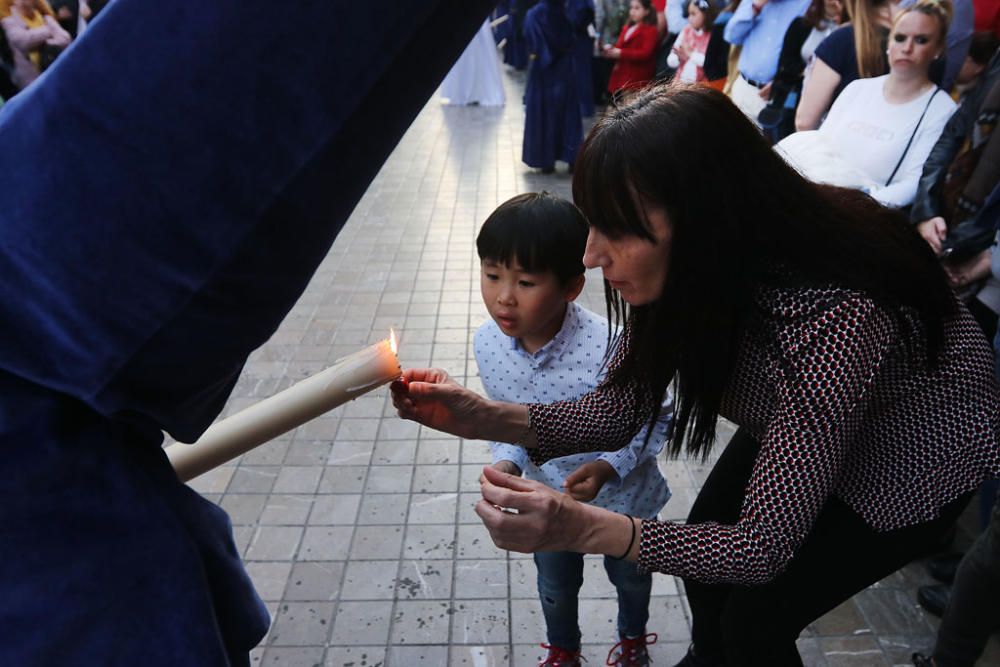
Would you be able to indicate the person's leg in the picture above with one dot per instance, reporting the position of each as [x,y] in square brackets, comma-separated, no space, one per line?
[560,575]
[973,611]
[633,589]
[720,499]
[759,624]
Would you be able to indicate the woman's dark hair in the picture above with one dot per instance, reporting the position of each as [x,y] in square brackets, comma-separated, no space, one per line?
[650,12]
[539,231]
[740,217]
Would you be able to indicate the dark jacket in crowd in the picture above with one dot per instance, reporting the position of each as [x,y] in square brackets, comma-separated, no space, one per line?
[928,203]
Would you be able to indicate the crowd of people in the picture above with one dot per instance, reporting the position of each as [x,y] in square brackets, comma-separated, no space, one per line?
[785,63]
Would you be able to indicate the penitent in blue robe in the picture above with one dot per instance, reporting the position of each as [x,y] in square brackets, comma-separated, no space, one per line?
[515,51]
[170,185]
[581,14]
[553,127]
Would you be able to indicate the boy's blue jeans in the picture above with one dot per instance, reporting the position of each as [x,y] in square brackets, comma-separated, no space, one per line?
[560,575]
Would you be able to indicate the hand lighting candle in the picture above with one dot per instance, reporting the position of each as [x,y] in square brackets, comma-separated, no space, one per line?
[348,378]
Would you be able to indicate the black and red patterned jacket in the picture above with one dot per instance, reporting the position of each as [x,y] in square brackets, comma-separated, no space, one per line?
[843,404]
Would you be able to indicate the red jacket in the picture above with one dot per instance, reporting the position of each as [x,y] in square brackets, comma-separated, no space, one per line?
[637,65]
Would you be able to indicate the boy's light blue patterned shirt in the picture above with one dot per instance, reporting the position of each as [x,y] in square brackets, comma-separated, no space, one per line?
[567,367]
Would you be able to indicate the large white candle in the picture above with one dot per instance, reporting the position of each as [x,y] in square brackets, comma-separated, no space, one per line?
[348,378]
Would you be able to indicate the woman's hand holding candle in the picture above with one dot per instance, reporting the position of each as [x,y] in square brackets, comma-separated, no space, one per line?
[431,397]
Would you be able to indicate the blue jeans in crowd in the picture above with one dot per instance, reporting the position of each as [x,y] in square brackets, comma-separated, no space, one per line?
[560,575]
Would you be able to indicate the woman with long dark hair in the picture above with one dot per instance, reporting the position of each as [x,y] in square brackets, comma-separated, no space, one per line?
[809,315]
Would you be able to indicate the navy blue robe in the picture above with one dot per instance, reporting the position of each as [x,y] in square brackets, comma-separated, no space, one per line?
[515,51]
[170,186]
[581,15]
[553,127]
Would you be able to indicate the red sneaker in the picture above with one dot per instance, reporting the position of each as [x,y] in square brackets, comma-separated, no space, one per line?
[631,652]
[560,657]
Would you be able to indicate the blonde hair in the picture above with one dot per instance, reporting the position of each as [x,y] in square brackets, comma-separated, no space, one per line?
[869,49]
[936,9]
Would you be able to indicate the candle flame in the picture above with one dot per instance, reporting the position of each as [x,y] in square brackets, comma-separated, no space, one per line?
[393,345]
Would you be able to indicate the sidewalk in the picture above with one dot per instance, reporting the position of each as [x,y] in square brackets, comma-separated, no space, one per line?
[358,527]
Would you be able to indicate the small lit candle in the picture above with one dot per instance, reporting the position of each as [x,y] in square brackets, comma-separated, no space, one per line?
[348,378]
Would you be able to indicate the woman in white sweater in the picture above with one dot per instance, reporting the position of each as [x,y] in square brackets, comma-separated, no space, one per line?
[880,130]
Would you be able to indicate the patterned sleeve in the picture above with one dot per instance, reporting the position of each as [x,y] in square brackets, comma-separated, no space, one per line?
[829,372]
[604,420]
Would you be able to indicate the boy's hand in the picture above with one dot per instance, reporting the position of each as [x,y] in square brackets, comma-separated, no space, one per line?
[585,482]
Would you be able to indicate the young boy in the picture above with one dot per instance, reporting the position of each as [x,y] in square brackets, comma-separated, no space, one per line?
[541,347]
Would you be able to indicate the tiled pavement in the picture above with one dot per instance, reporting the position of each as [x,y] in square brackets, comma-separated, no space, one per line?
[358,527]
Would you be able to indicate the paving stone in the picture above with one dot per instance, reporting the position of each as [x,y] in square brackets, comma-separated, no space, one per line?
[480,622]
[426,542]
[480,656]
[314,581]
[481,579]
[407,656]
[432,508]
[286,509]
[435,478]
[334,509]
[425,579]
[243,508]
[270,578]
[362,623]
[376,542]
[355,656]
[370,580]
[305,656]
[342,479]
[421,622]
[383,508]
[389,479]
[325,543]
[274,543]
[301,624]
